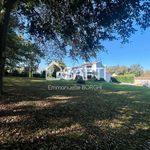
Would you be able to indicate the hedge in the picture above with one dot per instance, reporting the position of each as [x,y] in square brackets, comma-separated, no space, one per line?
[123,78]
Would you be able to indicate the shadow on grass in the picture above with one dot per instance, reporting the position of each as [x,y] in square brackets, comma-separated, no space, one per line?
[74,119]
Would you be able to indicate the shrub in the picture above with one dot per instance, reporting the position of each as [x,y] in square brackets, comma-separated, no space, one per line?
[102,79]
[78,77]
[15,73]
[6,73]
[123,78]
[24,74]
[113,79]
[94,78]
[80,80]
[43,74]
[37,75]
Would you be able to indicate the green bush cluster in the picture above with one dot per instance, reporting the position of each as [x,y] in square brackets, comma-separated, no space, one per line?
[102,79]
[123,78]
[80,80]
[16,73]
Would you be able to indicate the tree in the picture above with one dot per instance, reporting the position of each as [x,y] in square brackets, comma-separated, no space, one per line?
[136,69]
[80,24]
[147,72]
[21,53]
[14,44]
[119,70]
[14,52]
[43,74]
[5,10]
[32,55]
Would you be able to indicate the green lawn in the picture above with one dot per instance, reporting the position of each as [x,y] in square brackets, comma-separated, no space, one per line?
[114,117]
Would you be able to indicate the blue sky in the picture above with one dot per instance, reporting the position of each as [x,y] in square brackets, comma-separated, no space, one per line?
[137,51]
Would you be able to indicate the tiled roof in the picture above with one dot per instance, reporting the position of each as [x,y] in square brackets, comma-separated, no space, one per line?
[76,67]
[86,64]
[90,63]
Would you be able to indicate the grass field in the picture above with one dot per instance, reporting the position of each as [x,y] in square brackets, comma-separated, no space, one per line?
[114,117]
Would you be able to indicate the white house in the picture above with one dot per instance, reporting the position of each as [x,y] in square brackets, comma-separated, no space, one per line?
[87,71]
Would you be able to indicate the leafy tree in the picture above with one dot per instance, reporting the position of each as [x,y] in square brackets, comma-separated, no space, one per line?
[147,72]
[119,70]
[13,45]
[80,24]
[32,55]
[43,74]
[136,69]
[21,53]
[13,50]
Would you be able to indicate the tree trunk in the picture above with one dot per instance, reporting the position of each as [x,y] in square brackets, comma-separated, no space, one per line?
[7,6]
[30,72]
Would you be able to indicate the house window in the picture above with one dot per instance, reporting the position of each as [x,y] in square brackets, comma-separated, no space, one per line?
[89,76]
[78,72]
[89,67]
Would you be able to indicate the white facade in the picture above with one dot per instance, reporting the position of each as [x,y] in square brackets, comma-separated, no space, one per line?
[87,71]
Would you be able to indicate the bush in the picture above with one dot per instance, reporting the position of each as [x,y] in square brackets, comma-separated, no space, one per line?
[15,73]
[123,78]
[37,75]
[6,73]
[43,74]
[80,80]
[94,78]
[113,79]
[102,79]
[78,77]
[24,74]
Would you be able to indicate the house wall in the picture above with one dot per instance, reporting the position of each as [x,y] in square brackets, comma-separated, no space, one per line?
[98,68]
[108,77]
[94,67]
[102,73]
[141,82]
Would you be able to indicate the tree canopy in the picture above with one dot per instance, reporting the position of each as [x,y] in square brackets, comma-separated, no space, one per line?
[20,52]
[75,27]
[135,69]
[147,72]
[118,70]
[84,24]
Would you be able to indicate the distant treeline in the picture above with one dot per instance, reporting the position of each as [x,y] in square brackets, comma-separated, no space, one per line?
[136,70]
[25,73]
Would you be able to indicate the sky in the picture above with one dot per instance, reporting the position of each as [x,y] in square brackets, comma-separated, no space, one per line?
[137,51]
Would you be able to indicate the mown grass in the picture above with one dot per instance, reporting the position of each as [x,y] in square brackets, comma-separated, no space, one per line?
[114,117]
